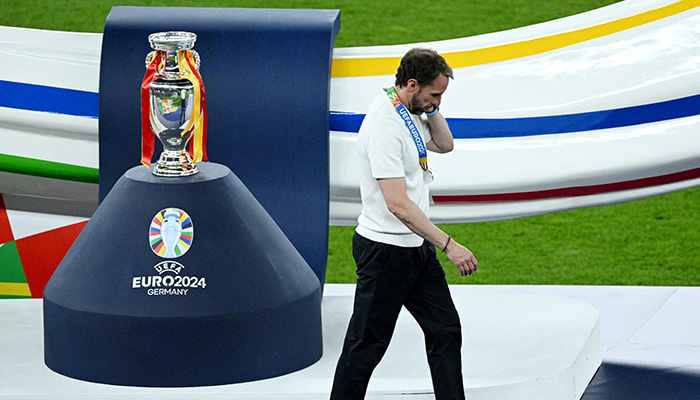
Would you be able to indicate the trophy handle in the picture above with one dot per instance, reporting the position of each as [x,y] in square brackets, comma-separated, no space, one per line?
[196,59]
[149,58]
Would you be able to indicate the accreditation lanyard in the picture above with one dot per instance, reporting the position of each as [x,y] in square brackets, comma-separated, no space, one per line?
[415,134]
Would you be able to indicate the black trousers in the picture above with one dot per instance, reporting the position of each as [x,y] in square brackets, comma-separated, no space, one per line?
[389,277]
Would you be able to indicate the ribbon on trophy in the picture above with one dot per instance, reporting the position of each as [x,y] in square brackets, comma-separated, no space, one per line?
[147,137]
[188,70]
[198,143]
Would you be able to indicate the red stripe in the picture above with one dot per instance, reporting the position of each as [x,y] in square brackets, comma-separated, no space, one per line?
[570,191]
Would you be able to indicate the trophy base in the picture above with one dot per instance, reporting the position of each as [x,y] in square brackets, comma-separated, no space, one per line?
[174,164]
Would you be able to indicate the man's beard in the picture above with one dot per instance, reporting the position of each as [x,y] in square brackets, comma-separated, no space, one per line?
[415,108]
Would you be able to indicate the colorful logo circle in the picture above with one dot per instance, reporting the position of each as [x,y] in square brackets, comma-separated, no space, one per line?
[171,233]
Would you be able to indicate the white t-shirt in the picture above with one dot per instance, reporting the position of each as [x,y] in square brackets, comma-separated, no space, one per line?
[387,150]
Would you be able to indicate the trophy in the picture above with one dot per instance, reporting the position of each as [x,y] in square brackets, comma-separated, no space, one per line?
[173,105]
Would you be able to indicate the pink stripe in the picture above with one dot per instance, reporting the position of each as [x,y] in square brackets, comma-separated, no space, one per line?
[571,191]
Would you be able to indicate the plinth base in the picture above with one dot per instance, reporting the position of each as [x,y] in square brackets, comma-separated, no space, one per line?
[232,301]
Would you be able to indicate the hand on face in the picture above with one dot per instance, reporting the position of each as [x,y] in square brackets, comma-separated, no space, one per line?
[427,97]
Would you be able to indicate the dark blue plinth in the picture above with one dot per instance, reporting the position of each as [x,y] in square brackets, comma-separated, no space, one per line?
[238,304]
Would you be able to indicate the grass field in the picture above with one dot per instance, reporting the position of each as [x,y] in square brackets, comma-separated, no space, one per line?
[647,242]
[652,242]
[363,22]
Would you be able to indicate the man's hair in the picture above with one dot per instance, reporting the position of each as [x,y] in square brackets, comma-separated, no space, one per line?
[423,65]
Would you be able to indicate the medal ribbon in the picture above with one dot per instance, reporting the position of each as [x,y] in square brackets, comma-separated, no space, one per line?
[415,134]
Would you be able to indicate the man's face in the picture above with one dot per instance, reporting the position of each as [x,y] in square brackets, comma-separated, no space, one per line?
[428,97]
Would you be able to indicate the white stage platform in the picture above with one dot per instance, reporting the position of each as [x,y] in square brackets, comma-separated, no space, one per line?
[649,341]
[517,345]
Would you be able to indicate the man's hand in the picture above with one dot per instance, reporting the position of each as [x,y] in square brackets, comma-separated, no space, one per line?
[462,257]
[398,203]
[442,141]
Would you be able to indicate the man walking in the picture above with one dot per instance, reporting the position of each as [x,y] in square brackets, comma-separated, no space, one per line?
[394,243]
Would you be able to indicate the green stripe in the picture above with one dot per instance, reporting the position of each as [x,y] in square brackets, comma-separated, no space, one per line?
[48,169]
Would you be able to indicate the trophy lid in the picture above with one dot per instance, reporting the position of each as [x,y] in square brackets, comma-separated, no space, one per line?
[172,40]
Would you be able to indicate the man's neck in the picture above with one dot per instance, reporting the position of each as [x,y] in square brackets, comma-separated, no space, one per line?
[404,94]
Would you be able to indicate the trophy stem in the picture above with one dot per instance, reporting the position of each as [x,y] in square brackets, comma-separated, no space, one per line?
[174,163]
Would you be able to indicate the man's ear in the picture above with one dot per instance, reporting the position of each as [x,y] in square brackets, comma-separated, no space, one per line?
[412,84]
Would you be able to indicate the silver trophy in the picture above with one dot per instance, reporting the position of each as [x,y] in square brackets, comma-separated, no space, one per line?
[173,110]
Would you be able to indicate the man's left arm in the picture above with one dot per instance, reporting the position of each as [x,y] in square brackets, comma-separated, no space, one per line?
[442,141]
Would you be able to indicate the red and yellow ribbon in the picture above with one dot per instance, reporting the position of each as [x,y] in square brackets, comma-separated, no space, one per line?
[147,135]
[198,142]
[188,70]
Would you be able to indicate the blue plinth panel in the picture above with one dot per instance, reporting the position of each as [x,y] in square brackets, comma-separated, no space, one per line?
[181,282]
[267,79]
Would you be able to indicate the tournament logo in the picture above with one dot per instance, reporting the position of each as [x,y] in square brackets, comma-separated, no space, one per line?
[171,233]
[168,282]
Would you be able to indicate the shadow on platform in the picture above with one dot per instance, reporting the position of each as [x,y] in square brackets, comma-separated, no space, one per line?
[628,382]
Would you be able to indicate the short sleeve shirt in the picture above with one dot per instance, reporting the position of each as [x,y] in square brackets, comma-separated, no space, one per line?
[387,150]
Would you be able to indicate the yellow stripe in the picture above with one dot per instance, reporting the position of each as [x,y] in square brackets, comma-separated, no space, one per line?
[14,289]
[461,59]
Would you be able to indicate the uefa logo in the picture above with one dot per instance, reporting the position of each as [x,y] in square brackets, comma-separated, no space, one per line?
[171,233]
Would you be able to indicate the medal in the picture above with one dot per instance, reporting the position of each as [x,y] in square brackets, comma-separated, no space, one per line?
[415,134]
[428,176]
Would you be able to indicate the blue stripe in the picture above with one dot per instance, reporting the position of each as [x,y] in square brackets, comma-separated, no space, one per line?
[474,128]
[25,96]
[345,122]
[31,97]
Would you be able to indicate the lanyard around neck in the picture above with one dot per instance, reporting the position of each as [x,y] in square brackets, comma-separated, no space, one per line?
[415,134]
